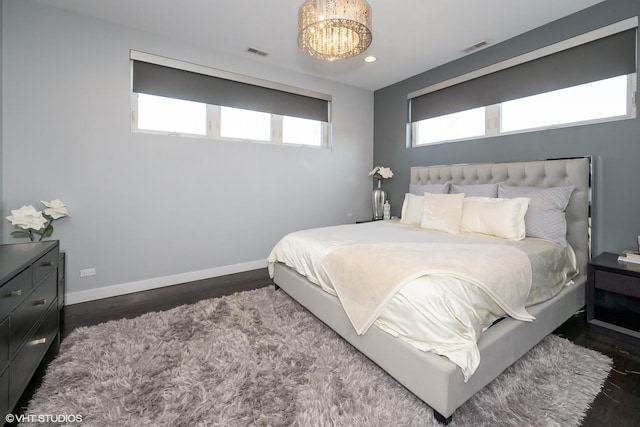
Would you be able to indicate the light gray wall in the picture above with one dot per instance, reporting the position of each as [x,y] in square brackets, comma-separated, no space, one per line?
[614,145]
[1,103]
[147,206]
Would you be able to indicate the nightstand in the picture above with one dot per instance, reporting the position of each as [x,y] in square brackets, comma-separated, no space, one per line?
[613,294]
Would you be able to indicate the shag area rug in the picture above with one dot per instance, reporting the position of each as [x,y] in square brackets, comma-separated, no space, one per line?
[259,358]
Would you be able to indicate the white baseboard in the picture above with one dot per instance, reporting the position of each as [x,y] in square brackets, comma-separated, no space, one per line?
[160,282]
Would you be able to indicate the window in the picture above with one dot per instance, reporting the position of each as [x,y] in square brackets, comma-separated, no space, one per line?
[245,124]
[462,125]
[161,115]
[174,97]
[587,79]
[584,103]
[301,131]
[595,102]
[156,113]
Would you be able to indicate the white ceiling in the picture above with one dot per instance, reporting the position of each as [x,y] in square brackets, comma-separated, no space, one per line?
[409,36]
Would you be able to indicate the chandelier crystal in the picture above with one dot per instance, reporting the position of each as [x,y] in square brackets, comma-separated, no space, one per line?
[334,29]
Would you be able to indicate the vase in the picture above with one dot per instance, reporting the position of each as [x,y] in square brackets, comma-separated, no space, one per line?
[379,198]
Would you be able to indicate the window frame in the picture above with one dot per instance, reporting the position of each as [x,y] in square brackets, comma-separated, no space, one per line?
[493,117]
[213,127]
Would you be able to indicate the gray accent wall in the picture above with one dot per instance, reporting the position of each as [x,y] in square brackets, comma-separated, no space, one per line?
[615,146]
[146,207]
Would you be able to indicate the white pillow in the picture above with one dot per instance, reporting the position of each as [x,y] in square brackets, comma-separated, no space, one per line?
[496,217]
[412,209]
[442,212]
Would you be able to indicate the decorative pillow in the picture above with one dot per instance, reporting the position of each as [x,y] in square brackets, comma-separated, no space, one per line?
[495,217]
[442,212]
[545,217]
[420,189]
[475,190]
[412,209]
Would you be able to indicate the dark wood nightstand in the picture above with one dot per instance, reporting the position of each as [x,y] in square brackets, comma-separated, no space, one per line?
[613,294]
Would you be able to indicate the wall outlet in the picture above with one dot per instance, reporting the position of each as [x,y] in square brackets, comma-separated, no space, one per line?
[88,272]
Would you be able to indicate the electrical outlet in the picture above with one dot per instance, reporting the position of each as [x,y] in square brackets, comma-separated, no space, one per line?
[88,272]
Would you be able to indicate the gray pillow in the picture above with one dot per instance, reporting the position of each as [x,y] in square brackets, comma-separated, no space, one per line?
[545,217]
[420,189]
[475,190]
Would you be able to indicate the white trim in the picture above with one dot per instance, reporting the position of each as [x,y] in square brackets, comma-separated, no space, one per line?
[160,282]
[530,56]
[214,72]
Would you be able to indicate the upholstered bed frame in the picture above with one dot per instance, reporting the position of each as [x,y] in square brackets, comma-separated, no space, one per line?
[431,377]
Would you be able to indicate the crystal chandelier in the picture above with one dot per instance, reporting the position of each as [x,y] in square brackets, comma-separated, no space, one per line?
[334,29]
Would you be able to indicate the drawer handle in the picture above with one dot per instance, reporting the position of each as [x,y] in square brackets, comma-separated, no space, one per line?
[14,293]
[42,301]
[47,264]
[38,342]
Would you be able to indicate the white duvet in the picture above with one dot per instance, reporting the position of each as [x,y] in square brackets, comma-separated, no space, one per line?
[433,312]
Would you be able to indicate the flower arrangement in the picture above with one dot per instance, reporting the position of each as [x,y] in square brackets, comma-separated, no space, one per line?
[34,223]
[381,172]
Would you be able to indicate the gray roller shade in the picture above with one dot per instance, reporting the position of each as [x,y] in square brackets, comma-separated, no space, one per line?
[610,56]
[153,79]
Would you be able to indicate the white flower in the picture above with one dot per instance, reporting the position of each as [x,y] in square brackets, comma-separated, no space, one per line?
[381,172]
[385,172]
[55,209]
[27,217]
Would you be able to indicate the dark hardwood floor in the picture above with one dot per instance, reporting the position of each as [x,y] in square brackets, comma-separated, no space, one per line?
[135,304]
[618,404]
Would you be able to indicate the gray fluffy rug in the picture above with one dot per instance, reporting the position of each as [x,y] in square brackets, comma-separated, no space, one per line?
[258,358]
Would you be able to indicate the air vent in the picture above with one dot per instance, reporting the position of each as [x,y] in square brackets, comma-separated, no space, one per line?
[473,47]
[257,51]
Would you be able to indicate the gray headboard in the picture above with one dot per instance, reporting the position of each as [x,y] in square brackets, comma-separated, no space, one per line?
[541,173]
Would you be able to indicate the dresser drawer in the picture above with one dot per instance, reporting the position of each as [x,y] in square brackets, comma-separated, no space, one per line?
[15,291]
[31,310]
[44,266]
[4,344]
[29,357]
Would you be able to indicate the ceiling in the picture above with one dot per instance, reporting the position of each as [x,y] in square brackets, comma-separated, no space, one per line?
[409,36]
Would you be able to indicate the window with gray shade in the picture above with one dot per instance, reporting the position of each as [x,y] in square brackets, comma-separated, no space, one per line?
[165,92]
[601,71]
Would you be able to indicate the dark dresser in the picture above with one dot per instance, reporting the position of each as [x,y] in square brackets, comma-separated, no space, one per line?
[29,314]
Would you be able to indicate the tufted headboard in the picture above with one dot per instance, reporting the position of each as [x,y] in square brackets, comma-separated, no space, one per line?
[542,173]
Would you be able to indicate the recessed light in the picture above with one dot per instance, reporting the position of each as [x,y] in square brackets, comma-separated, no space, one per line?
[370,59]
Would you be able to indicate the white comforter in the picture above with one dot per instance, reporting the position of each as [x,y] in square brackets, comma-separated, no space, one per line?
[366,276]
[440,313]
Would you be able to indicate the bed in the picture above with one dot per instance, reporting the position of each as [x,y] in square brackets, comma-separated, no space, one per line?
[435,378]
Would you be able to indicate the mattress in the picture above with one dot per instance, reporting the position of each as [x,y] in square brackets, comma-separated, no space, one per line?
[432,313]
